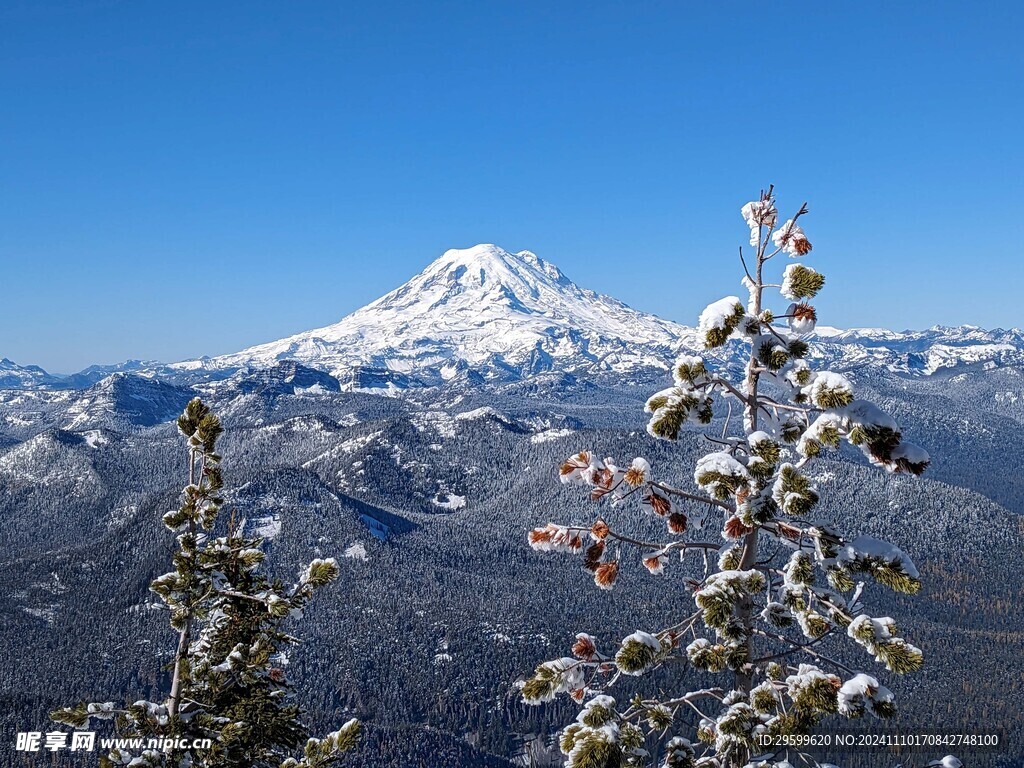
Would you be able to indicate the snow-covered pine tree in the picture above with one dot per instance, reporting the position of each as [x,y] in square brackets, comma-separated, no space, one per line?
[757,617]
[227,678]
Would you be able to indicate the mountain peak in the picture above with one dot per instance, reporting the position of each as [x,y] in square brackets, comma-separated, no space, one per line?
[487,263]
[483,253]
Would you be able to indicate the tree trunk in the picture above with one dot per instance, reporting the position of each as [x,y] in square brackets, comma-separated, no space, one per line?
[745,608]
[185,637]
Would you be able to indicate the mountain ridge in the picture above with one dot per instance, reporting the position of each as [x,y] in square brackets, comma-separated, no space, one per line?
[483,314]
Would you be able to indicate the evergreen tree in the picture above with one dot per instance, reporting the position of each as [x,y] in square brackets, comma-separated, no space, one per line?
[229,702]
[757,617]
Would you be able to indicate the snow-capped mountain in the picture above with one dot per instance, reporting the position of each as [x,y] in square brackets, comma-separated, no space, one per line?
[14,376]
[482,311]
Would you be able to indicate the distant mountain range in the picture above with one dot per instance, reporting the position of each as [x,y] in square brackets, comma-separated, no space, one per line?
[483,314]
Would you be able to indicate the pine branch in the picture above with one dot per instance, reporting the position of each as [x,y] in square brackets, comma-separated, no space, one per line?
[805,648]
[692,496]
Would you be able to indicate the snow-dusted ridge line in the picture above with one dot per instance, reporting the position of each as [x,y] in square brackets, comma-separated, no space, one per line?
[485,314]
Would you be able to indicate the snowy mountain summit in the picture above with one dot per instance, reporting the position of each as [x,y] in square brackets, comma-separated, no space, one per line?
[476,312]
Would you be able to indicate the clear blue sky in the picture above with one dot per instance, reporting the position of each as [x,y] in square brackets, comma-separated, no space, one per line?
[276,165]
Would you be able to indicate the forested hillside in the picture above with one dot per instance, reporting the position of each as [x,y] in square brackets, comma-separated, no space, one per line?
[424,638]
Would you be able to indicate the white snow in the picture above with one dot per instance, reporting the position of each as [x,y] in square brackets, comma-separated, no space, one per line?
[717,313]
[267,527]
[47,613]
[478,413]
[719,463]
[869,414]
[757,214]
[356,551]
[314,389]
[787,236]
[94,438]
[858,691]
[913,453]
[869,547]
[550,434]
[644,638]
[756,438]
[449,501]
[828,381]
